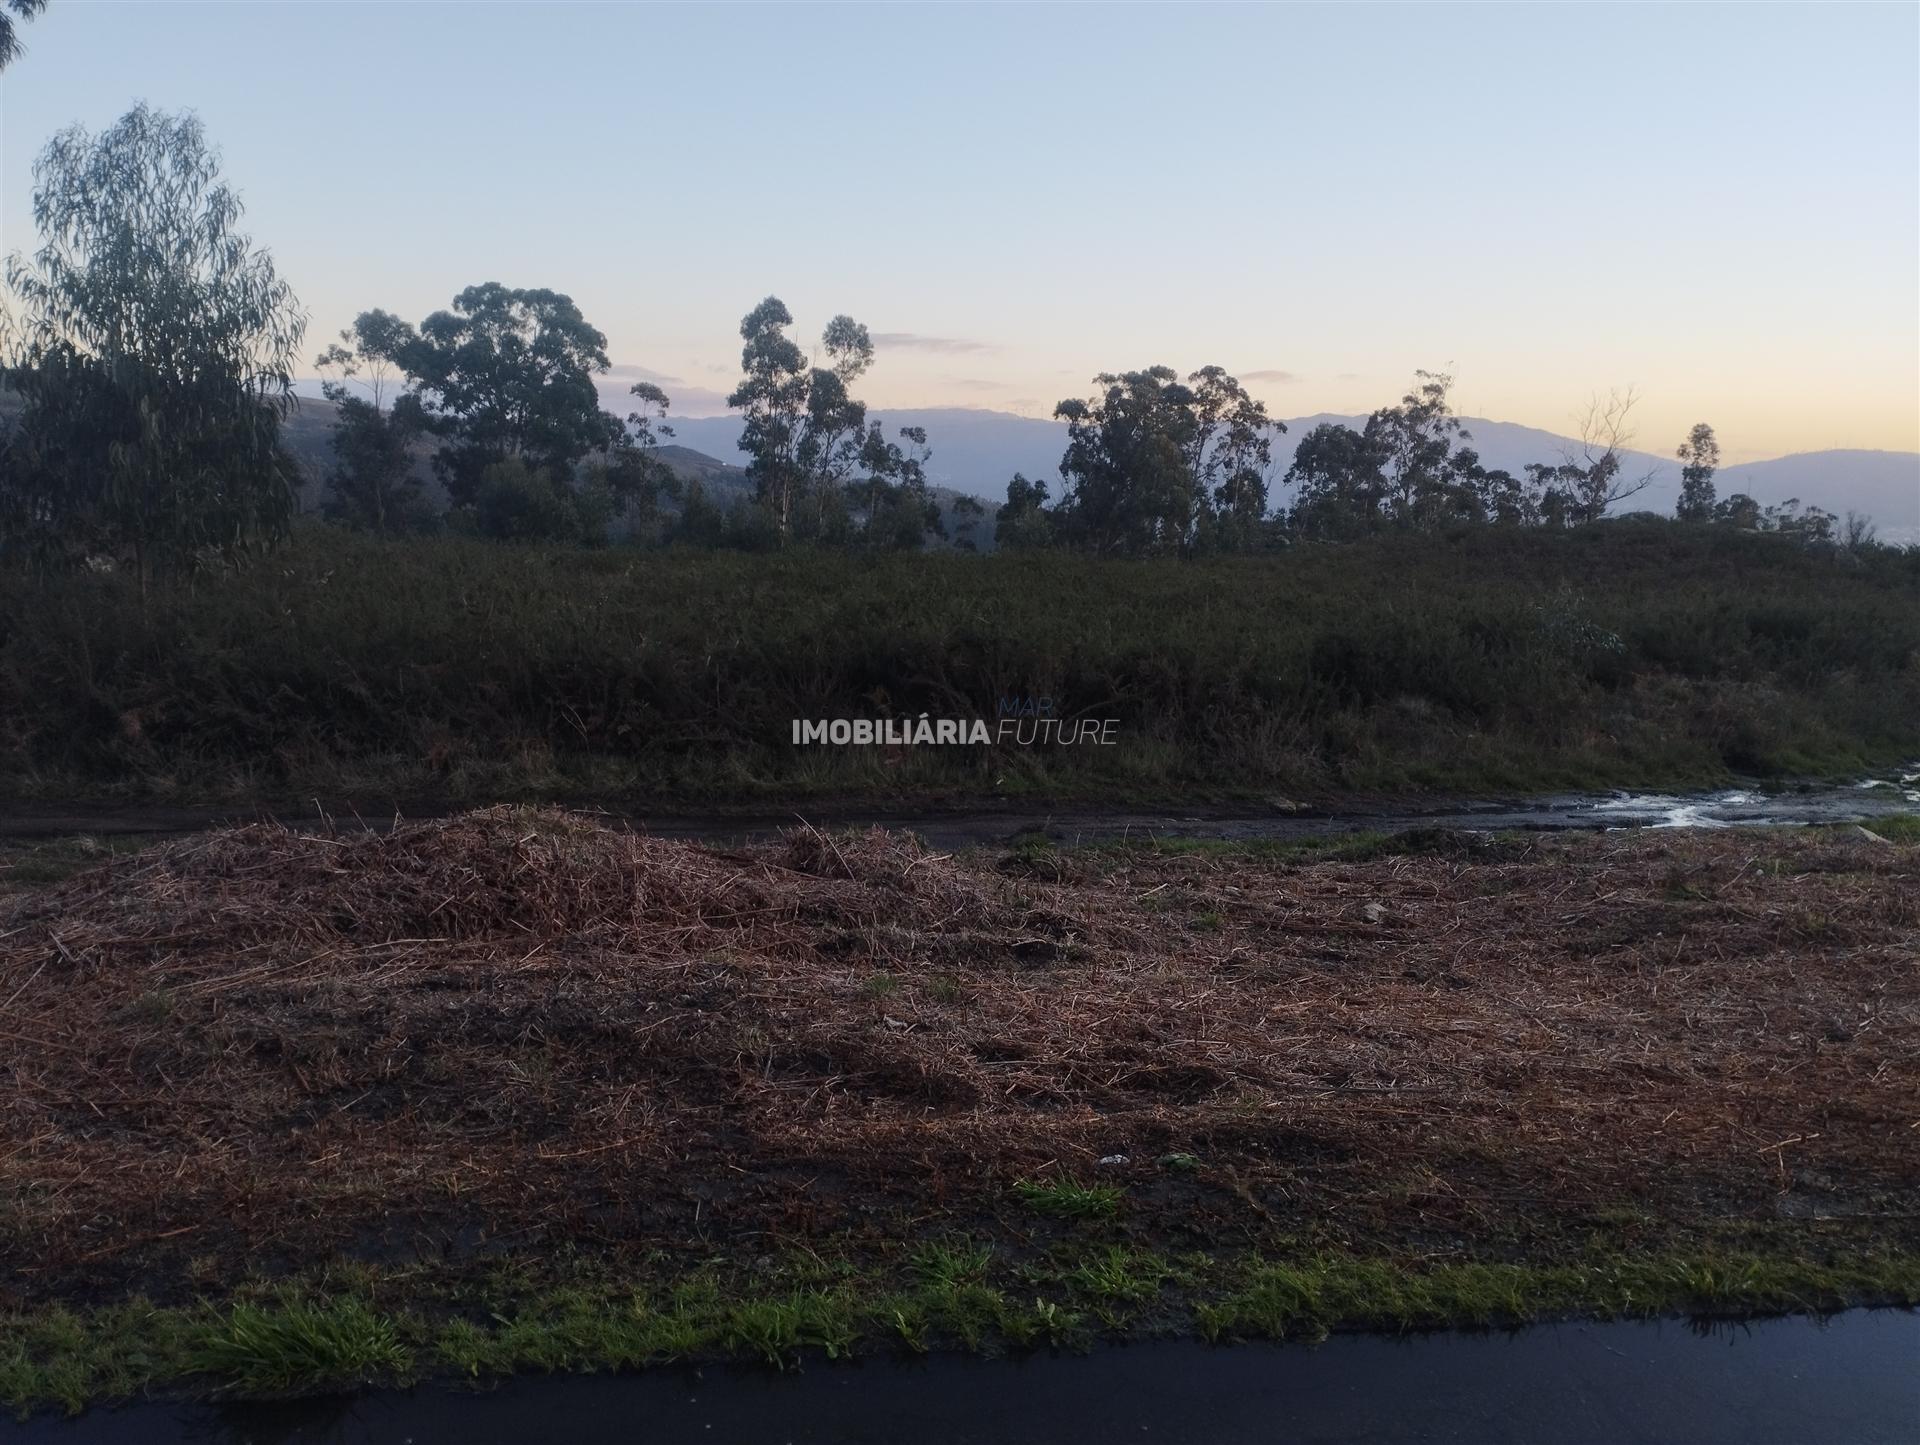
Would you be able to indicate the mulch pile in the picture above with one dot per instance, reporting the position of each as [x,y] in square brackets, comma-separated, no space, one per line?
[520,1027]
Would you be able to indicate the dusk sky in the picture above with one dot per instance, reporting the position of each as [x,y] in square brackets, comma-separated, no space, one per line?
[1719,207]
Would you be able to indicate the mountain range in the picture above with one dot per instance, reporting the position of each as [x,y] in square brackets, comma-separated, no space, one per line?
[976,451]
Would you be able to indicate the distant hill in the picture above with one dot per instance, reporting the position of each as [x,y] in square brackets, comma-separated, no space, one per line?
[976,451]
[309,437]
[1881,485]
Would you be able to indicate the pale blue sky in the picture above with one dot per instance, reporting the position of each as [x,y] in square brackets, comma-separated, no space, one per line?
[1719,205]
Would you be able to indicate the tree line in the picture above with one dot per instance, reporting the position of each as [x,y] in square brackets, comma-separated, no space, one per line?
[1157,464]
[151,348]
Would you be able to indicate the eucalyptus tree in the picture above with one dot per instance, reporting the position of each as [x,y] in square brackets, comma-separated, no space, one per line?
[506,375]
[1127,472]
[896,511]
[1595,476]
[1699,457]
[10,46]
[1231,452]
[374,484]
[634,478]
[154,353]
[1409,468]
[806,437]
[1024,521]
[1157,464]
[1339,483]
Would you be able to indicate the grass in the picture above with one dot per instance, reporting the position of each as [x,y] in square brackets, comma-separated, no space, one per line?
[30,865]
[1622,654]
[1120,1275]
[1309,1298]
[294,1340]
[1064,1199]
[299,1344]
[1897,827]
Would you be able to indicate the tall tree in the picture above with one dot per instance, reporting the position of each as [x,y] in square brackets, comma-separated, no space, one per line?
[634,479]
[1700,456]
[1157,464]
[507,375]
[1231,455]
[155,355]
[1595,477]
[809,443]
[1339,483]
[889,490]
[10,46]
[1128,471]
[1024,521]
[1408,469]
[772,397]
[373,485]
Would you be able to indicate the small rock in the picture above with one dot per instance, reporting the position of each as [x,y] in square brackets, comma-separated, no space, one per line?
[1374,913]
[1113,1161]
[1867,835]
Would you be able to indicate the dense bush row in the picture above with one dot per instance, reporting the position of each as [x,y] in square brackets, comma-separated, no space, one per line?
[1621,652]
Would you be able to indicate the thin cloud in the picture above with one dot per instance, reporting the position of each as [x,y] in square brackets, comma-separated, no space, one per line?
[1271,374]
[977,383]
[642,373]
[915,341]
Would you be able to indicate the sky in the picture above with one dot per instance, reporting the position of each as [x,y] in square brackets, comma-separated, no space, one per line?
[1715,205]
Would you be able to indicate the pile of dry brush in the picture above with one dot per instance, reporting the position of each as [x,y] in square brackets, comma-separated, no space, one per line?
[269,1046]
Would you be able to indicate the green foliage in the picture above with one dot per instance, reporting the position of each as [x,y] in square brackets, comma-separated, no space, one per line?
[1901,828]
[10,46]
[372,486]
[155,357]
[1157,465]
[1307,1298]
[1699,456]
[1629,653]
[300,1344]
[514,502]
[1407,470]
[1120,1275]
[822,472]
[774,1330]
[1065,1199]
[503,374]
[1024,521]
[946,1264]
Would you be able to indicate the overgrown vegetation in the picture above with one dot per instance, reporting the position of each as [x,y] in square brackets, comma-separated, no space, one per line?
[1623,653]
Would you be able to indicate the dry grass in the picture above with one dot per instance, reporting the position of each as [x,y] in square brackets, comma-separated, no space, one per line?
[264,1048]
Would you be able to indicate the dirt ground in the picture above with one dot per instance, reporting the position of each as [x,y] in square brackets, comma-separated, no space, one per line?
[259,1050]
